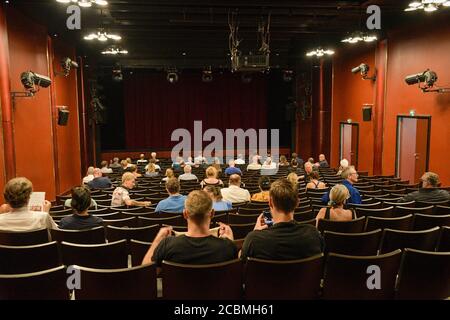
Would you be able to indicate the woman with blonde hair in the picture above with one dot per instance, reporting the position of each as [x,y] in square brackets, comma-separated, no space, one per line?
[293,179]
[169,174]
[151,171]
[335,210]
[211,178]
[218,203]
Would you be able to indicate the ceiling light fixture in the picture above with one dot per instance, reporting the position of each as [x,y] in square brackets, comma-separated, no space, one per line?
[427,5]
[102,36]
[320,52]
[85,3]
[114,51]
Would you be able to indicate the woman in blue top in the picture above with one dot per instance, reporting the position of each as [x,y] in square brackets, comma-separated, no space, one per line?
[216,196]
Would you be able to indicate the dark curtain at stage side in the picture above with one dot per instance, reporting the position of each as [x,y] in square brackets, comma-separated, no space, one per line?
[154,108]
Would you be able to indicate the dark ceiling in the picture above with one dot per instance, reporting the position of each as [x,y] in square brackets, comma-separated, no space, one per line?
[194,33]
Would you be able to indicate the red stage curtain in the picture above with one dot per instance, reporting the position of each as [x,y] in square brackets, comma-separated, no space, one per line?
[154,107]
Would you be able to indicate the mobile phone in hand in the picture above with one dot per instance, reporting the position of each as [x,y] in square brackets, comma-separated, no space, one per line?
[268,218]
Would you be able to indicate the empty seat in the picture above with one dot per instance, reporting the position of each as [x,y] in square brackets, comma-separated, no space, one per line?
[383,212]
[111,255]
[283,280]
[178,220]
[242,218]
[125,222]
[136,283]
[422,204]
[43,285]
[27,259]
[355,244]
[252,211]
[369,277]
[241,230]
[218,281]
[444,240]
[400,223]
[426,221]
[303,216]
[88,236]
[23,238]
[398,204]
[143,233]
[404,211]
[424,275]
[441,210]
[376,205]
[399,239]
[138,249]
[351,226]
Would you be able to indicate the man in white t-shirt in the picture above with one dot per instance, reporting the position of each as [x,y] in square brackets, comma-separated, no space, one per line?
[234,193]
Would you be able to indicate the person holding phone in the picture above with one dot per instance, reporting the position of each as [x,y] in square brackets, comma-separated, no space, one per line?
[286,239]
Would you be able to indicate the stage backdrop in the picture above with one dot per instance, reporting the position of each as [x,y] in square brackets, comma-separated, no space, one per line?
[154,108]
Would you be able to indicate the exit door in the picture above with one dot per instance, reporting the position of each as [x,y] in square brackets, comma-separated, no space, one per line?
[349,142]
[413,146]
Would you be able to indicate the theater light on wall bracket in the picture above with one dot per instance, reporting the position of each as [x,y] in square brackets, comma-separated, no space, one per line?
[102,36]
[85,3]
[364,70]
[429,78]
[319,52]
[427,5]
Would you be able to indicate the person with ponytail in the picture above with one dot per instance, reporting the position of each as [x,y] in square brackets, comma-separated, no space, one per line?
[80,219]
[335,210]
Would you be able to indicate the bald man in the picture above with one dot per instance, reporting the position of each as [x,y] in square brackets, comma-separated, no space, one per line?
[99,182]
[234,193]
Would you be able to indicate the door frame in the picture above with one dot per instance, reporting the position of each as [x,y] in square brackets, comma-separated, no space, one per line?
[341,124]
[397,141]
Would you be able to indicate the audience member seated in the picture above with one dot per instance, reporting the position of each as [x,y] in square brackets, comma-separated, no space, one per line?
[99,182]
[200,158]
[80,219]
[115,163]
[232,169]
[211,178]
[133,169]
[297,159]
[342,165]
[17,194]
[121,195]
[308,169]
[68,204]
[178,165]
[314,182]
[294,164]
[89,175]
[255,164]
[323,163]
[234,193]
[169,174]
[104,167]
[350,177]
[429,191]
[142,159]
[286,239]
[153,157]
[197,246]
[151,171]
[264,186]
[311,160]
[218,203]
[293,179]
[157,167]
[240,160]
[124,165]
[283,162]
[335,210]
[187,175]
[175,201]
[216,165]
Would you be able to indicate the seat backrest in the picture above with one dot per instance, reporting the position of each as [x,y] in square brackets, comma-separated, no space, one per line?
[398,204]
[138,249]
[403,211]
[242,218]
[441,210]
[219,281]
[424,275]
[250,211]
[444,240]
[383,213]
[125,222]
[400,223]
[143,233]
[304,215]
[241,230]
[351,226]
[178,221]
[399,239]
[23,238]
[283,280]
[426,221]
[112,255]
[421,204]
[43,285]
[88,236]
[369,277]
[136,283]
[356,244]
[27,259]
[376,205]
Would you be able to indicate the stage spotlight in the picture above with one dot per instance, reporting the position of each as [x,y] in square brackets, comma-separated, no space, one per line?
[30,79]
[288,75]
[364,70]
[207,75]
[67,64]
[172,76]
[428,76]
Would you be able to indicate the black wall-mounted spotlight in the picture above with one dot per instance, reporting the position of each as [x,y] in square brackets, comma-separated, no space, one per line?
[364,70]
[67,64]
[429,78]
[30,80]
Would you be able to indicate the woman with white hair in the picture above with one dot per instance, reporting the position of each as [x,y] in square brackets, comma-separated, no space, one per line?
[89,175]
[343,164]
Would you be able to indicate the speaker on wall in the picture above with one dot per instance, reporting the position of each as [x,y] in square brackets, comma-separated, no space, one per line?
[367,113]
[63,116]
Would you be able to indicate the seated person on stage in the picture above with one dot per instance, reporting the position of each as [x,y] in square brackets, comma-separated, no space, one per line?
[169,174]
[197,246]
[286,239]
[314,182]
[99,182]
[234,193]
[19,217]
[240,159]
[104,167]
[142,159]
[175,201]
[255,164]
[232,169]
[200,159]
[216,196]
[429,191]
[121,195]
[350,177]
[211,178]
[151,171]
[89,175]
[189,161]
[264,186]
[187,175]
[335,210]
[323,163]
[269,164]
[80,219]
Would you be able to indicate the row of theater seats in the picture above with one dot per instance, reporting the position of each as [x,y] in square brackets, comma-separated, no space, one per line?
[411,274]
